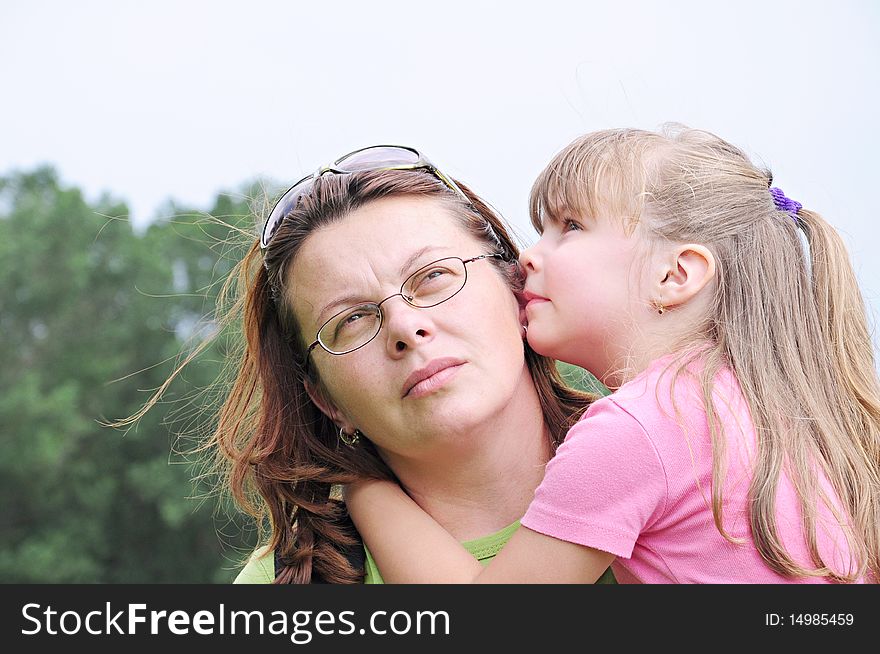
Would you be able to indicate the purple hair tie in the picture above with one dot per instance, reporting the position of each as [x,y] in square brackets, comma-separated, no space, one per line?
[785,204]
[791,207]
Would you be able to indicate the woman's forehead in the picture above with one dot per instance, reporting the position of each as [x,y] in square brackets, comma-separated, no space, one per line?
[384,231]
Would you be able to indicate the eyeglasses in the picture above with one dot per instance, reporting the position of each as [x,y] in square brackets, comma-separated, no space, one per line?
[373,158]
[430,285]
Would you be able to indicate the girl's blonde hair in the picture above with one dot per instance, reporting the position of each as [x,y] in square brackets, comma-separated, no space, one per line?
[788,320]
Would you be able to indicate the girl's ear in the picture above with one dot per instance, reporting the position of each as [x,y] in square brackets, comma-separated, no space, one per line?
[688,270]
[321,400]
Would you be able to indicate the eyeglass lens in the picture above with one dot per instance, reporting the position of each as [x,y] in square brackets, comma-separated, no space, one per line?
[427,287]
[378,157]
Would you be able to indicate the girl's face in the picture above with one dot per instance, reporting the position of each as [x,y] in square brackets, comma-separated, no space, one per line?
[584,302]
[469,349]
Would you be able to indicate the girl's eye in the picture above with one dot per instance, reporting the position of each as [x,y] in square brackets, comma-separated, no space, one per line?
[570,226]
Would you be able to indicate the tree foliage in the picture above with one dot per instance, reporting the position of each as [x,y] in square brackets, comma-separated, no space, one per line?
[84,301]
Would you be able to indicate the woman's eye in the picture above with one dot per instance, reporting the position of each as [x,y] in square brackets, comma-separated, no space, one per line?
[429,276]
[350,320]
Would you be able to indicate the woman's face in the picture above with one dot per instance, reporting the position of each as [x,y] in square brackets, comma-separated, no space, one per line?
[472,342]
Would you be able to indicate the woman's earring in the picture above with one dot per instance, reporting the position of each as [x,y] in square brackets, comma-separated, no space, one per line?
[525,330]
[349,439]
[657,304]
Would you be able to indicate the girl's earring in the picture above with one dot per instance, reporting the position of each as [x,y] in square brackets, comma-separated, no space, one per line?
[525,330]
[657,304]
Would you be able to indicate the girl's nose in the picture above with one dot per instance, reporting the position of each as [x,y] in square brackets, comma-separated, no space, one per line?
[528,259]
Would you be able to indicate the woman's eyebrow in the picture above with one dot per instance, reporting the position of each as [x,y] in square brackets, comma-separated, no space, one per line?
[351,300]
[345,301]
[418,254]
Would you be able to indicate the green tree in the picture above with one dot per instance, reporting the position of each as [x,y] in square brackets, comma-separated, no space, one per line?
[85,301]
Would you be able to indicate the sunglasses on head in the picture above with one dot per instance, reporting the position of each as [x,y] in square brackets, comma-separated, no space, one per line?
[373,158]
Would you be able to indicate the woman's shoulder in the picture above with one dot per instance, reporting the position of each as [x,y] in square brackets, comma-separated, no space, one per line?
[260,568]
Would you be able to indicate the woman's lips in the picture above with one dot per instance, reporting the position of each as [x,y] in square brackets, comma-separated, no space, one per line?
[425,381]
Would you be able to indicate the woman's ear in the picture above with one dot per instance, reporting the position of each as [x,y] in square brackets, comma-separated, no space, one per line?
[689,268]
[321,400]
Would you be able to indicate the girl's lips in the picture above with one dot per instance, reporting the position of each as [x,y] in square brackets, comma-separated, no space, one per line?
[527,296]
[536,301]
[530,299]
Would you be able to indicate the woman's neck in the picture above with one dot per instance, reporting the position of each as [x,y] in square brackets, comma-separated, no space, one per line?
[487,480]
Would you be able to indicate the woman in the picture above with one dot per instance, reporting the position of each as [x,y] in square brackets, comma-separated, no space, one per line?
[383,339]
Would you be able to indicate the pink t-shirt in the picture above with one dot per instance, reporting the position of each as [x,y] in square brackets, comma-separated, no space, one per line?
[635,480]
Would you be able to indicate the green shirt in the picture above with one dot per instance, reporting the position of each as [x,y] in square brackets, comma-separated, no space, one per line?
[260,569]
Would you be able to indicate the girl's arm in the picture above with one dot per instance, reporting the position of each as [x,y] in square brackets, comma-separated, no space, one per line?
[409,546]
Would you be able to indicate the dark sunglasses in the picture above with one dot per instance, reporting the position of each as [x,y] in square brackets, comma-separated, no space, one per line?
[375,157]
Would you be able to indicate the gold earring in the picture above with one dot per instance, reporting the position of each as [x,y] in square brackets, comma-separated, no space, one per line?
[349,439]
[657,304]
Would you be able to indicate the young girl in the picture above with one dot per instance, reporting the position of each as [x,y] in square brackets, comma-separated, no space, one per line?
[742,442]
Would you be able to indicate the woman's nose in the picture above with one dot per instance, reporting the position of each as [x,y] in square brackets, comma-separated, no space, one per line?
[407,326]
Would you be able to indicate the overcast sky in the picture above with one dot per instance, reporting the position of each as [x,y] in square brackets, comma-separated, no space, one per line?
[159,100]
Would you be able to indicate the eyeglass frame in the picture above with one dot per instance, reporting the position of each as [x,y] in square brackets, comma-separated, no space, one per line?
[423,163]
[494,255]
